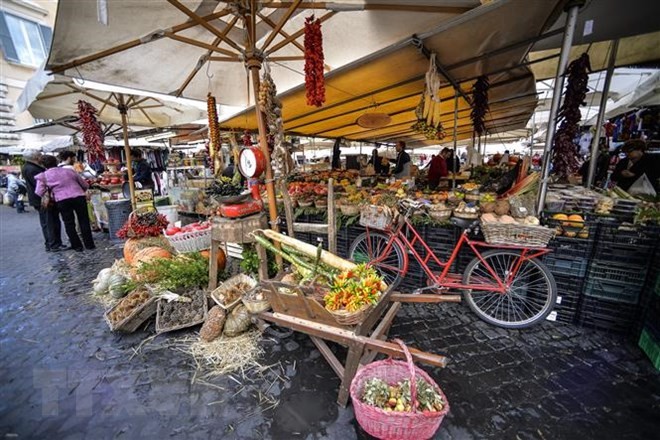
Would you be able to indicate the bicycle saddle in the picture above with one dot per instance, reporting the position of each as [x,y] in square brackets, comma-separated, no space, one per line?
[464,223]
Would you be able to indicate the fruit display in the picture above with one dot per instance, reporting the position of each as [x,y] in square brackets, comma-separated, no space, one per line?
[128,305]
[570,225]
[397,397]
[197,226]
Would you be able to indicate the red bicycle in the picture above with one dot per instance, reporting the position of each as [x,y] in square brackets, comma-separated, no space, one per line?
[507,286]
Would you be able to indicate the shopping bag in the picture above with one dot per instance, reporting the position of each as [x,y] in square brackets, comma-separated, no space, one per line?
[642,187]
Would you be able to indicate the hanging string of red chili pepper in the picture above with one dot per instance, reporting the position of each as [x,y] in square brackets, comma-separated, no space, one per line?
[247,139]
[314,62]
[565,157]
[480,104]
[91,131]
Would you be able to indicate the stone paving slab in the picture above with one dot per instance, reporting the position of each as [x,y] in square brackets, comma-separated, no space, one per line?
[65,376]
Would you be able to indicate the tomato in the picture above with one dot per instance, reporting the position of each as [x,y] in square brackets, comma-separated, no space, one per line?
[172,231]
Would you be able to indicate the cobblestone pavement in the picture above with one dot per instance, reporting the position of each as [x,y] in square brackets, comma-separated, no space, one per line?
[65,376]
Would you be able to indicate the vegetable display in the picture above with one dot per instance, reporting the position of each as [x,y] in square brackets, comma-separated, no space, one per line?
[182,272]
[91,130]
[223,187]
[355,289]
[189,309]
[565,157]
[428,111]
[128,305]
[197,226]
[141,225]
[314,65]
[398,398]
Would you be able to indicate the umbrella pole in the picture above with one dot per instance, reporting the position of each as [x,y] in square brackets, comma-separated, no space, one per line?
[572,9]
[255,65]
[127,149]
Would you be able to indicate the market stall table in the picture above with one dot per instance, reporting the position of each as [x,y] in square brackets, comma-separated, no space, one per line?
[364,341]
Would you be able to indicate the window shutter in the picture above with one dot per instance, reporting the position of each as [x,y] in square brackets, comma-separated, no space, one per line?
[46,37]
[5,41]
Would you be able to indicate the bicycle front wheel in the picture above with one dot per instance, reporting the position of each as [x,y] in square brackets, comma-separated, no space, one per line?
[371,248]
[529,297]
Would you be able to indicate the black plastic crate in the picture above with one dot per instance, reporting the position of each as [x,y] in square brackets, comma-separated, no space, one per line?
[627,235]
[571,247]
[565,265]
[612,316]
[414,277]
[613,290]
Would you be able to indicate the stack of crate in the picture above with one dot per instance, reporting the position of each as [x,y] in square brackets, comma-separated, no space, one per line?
[568,262]
[616,278]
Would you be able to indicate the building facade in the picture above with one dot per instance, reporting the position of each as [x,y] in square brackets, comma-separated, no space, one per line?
[25,36]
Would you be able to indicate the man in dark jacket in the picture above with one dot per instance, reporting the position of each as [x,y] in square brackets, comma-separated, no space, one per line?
[141,170]
[49,219]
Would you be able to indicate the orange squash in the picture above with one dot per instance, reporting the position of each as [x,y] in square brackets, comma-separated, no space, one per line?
[134,245]
[221,258]
[149,254]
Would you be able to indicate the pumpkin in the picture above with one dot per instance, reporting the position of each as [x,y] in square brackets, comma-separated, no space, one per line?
[102,282]
[117,285]
[221,258]
[134,245]
[149,254]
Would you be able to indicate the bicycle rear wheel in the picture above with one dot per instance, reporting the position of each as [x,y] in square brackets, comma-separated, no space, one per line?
[529,297]
[370,247]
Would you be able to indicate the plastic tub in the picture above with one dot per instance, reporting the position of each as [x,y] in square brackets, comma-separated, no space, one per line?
[169,211]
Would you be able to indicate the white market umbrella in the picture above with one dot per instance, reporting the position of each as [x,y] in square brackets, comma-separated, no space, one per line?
[56,96]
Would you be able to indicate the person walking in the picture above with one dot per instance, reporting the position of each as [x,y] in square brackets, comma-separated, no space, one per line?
[49,219]
[68,190]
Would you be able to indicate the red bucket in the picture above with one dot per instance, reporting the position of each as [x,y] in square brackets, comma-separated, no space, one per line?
[393,425]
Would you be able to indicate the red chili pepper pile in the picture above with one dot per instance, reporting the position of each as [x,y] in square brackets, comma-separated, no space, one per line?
[314,81]
[148,224]
[565,157]
[91,130]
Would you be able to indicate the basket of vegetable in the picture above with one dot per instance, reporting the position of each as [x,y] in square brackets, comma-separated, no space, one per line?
[505,230]
[349,210]
[131,312]
[439,211]
[229,293]
[225,190]
[397,400]
[191,238]
[353,294]
[143,224]
[377,217]
[181,311]
[255,301]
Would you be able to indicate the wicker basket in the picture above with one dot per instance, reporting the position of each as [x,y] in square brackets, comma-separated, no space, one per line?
[193,241]
[377,217]
[305,203]
[516,234]
[392,425]
[160,328]
[442,214]
[218,295]
[349,210]
[135,319]
[472,197]
[255,306]
[351,318]
[466,215]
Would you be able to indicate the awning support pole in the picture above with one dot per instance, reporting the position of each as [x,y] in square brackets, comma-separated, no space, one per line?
[572,9]
[601,113]
[453,174]
[254,64]
[127,148]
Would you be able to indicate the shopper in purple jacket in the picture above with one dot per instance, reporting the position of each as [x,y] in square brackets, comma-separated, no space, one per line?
[68,190]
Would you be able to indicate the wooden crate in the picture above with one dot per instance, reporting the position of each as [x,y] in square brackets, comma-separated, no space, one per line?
[237,230]
[135,319]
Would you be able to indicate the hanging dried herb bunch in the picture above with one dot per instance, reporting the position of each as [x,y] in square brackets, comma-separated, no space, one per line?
[480,104]
[91,130]
[565,158]
[314,61]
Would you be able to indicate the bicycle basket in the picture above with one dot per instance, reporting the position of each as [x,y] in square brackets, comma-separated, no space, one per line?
[377,217]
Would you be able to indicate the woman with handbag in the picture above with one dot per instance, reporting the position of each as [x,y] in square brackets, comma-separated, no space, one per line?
[67,189]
